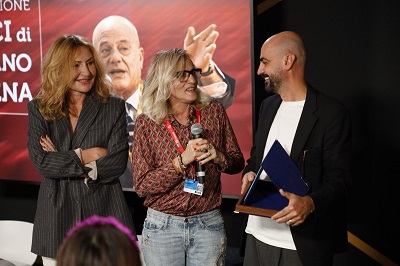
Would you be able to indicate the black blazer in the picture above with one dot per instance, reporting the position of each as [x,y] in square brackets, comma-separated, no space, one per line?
[324,135]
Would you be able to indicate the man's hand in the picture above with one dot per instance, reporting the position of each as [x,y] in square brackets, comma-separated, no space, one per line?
[297,210]
[246,181]
[201,46]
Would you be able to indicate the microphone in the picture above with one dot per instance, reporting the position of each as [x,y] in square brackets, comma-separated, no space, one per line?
[196,130]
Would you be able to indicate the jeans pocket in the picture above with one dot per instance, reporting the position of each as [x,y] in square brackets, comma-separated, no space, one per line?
[153,225]
[212,222]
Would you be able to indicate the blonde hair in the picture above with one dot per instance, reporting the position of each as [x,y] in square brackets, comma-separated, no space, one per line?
[57,74]
[159,83]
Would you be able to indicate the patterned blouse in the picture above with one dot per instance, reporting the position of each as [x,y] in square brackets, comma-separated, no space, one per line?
[154,175]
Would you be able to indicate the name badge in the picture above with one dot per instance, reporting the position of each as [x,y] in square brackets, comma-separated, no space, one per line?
[193,186]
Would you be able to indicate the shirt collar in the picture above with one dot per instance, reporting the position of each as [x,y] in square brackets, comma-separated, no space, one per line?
[134,98]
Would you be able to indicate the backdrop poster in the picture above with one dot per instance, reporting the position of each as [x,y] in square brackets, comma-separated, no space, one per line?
[28,27]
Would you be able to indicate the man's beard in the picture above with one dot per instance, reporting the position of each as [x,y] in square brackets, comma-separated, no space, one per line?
[275,82]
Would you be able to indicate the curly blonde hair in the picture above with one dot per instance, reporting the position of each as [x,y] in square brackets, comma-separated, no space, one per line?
[159,83]
[58,72]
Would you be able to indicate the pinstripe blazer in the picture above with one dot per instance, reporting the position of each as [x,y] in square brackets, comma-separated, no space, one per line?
[63,197]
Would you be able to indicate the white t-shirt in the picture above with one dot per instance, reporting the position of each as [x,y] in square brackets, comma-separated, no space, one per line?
[282,129]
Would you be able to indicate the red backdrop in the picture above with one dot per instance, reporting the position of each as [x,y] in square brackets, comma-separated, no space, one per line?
[27,31]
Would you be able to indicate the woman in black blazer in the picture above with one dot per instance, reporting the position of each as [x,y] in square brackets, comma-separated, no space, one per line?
[77,140]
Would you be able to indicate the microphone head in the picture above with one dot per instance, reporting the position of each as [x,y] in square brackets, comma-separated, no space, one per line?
[196,129]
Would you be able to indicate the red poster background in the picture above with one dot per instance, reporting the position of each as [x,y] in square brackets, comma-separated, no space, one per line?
[161,25]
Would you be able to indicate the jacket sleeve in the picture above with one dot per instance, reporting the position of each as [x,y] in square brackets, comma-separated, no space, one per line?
[332,163]
[65,163]
[49,164]
[113,165]
[227,98]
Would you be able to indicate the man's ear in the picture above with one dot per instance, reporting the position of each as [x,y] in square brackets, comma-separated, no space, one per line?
[289,61]
[141,55]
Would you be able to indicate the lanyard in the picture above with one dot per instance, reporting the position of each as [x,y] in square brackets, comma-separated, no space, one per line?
[173,134]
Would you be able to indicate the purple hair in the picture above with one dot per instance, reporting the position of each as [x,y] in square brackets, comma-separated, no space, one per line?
[95,219]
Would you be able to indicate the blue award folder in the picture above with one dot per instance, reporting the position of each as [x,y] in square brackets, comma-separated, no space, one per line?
[263,197]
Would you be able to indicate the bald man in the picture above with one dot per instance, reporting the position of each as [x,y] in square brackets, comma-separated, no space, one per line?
[314,129]
[117,41]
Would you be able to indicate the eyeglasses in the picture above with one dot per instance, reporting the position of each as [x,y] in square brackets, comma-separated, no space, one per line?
[184,75]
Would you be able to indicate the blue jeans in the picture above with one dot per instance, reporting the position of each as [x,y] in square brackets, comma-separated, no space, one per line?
[178,241]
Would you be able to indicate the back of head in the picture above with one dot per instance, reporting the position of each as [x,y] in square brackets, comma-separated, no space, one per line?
[98,244]
[290,42]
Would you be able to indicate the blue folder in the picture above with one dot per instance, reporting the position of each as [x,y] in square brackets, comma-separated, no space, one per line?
[283,173]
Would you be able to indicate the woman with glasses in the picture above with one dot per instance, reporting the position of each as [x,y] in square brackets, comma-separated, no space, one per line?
[183,141]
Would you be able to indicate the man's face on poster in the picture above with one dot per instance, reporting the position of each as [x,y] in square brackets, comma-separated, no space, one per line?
[119,49]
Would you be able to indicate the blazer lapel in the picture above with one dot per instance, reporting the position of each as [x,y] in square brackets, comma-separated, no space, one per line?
[88,114]
[306,124]
[266,118]
[61,128]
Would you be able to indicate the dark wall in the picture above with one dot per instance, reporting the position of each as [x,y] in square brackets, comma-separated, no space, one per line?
[353,55]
